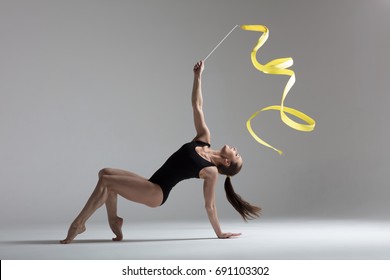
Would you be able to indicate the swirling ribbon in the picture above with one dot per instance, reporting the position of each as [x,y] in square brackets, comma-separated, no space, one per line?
[277,67]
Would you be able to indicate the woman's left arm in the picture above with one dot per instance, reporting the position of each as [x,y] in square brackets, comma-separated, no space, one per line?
[202,131]
[210,175]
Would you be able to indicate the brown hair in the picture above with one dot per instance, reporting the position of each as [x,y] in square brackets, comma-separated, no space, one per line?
[245,209]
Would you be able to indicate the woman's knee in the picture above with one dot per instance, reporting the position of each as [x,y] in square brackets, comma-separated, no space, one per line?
[104,171]
[105,183]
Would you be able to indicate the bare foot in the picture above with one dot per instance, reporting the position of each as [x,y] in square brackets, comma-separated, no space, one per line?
[72,233]
[116,227]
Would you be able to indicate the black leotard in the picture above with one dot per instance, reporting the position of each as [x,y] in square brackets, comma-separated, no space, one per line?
[185,163]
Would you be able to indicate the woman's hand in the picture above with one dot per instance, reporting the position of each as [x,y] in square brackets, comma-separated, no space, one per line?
[228,235]
[198,68]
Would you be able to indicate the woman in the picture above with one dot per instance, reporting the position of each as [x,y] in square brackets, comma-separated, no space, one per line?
[192,160]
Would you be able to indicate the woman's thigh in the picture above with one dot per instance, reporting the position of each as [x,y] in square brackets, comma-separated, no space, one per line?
[135,188]
[120,172]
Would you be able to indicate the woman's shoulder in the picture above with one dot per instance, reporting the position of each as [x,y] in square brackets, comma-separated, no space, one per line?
[200,143]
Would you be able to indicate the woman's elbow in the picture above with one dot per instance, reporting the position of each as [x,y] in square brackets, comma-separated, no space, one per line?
[197,105]
[210,208]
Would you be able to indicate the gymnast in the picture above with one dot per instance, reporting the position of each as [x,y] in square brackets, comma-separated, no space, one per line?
[193,160]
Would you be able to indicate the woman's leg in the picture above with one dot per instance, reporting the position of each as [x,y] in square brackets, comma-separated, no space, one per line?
[114,220]
[134,188]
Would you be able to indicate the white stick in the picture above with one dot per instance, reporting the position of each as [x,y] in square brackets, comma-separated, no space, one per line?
[220,42]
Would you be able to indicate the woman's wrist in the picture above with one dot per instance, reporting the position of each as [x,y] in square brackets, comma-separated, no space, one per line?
[197,76]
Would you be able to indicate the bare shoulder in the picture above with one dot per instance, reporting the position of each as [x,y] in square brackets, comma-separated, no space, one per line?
[209,173]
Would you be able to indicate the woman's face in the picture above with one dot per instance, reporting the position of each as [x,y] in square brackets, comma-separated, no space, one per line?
[231,153]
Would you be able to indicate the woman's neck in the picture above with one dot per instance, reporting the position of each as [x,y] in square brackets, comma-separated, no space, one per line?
[215,157]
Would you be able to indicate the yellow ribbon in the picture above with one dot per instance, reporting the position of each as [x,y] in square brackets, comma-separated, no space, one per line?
[277,67]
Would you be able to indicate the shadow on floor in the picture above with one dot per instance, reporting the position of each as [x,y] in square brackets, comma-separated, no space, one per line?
[90,241]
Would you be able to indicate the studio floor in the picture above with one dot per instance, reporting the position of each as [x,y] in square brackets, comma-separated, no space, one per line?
[270,240]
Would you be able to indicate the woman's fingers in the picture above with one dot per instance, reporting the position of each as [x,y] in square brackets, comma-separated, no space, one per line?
[228,235]
[198,65]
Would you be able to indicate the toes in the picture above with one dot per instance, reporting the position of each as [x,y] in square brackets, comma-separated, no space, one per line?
[117,239]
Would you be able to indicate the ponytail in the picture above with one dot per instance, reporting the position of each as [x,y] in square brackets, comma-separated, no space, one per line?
[246,210]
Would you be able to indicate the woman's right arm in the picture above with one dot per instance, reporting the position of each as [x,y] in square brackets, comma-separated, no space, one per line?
[210,176]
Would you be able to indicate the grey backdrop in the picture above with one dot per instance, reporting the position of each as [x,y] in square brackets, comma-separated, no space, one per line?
[89,84]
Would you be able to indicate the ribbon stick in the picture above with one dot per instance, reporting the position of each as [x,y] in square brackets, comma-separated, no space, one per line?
[220,42]
[277,66]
